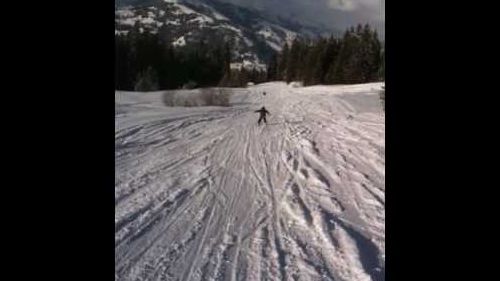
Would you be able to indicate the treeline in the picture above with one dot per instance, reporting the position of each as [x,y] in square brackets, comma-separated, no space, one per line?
[356,58]
[144,62]
[241,77]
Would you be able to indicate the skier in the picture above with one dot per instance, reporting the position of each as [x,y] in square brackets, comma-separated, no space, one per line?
[264,93]
[263,111]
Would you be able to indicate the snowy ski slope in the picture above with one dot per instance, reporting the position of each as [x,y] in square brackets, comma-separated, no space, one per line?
[203,193]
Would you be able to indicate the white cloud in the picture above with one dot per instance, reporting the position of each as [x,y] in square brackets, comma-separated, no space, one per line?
[343,5]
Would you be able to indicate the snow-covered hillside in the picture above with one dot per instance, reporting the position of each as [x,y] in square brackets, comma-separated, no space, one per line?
[253,35]
[203,193]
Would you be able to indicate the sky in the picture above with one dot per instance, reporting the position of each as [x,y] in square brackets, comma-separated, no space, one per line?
[334,14]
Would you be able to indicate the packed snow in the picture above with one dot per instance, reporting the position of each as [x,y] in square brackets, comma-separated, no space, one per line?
[204,193]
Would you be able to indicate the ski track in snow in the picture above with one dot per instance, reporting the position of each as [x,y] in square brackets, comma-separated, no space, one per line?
[203,193]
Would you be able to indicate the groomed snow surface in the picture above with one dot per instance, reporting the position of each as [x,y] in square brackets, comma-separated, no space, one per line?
[203,193]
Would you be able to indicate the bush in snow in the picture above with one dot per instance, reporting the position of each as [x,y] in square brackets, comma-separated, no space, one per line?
[213,96]
[296,84]
[199,97]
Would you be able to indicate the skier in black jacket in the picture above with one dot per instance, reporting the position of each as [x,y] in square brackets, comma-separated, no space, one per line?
[263,111]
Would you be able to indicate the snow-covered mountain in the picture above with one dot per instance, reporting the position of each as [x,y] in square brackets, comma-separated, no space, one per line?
[253,34]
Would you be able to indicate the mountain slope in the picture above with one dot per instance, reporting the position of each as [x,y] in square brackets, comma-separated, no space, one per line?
[253,35]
